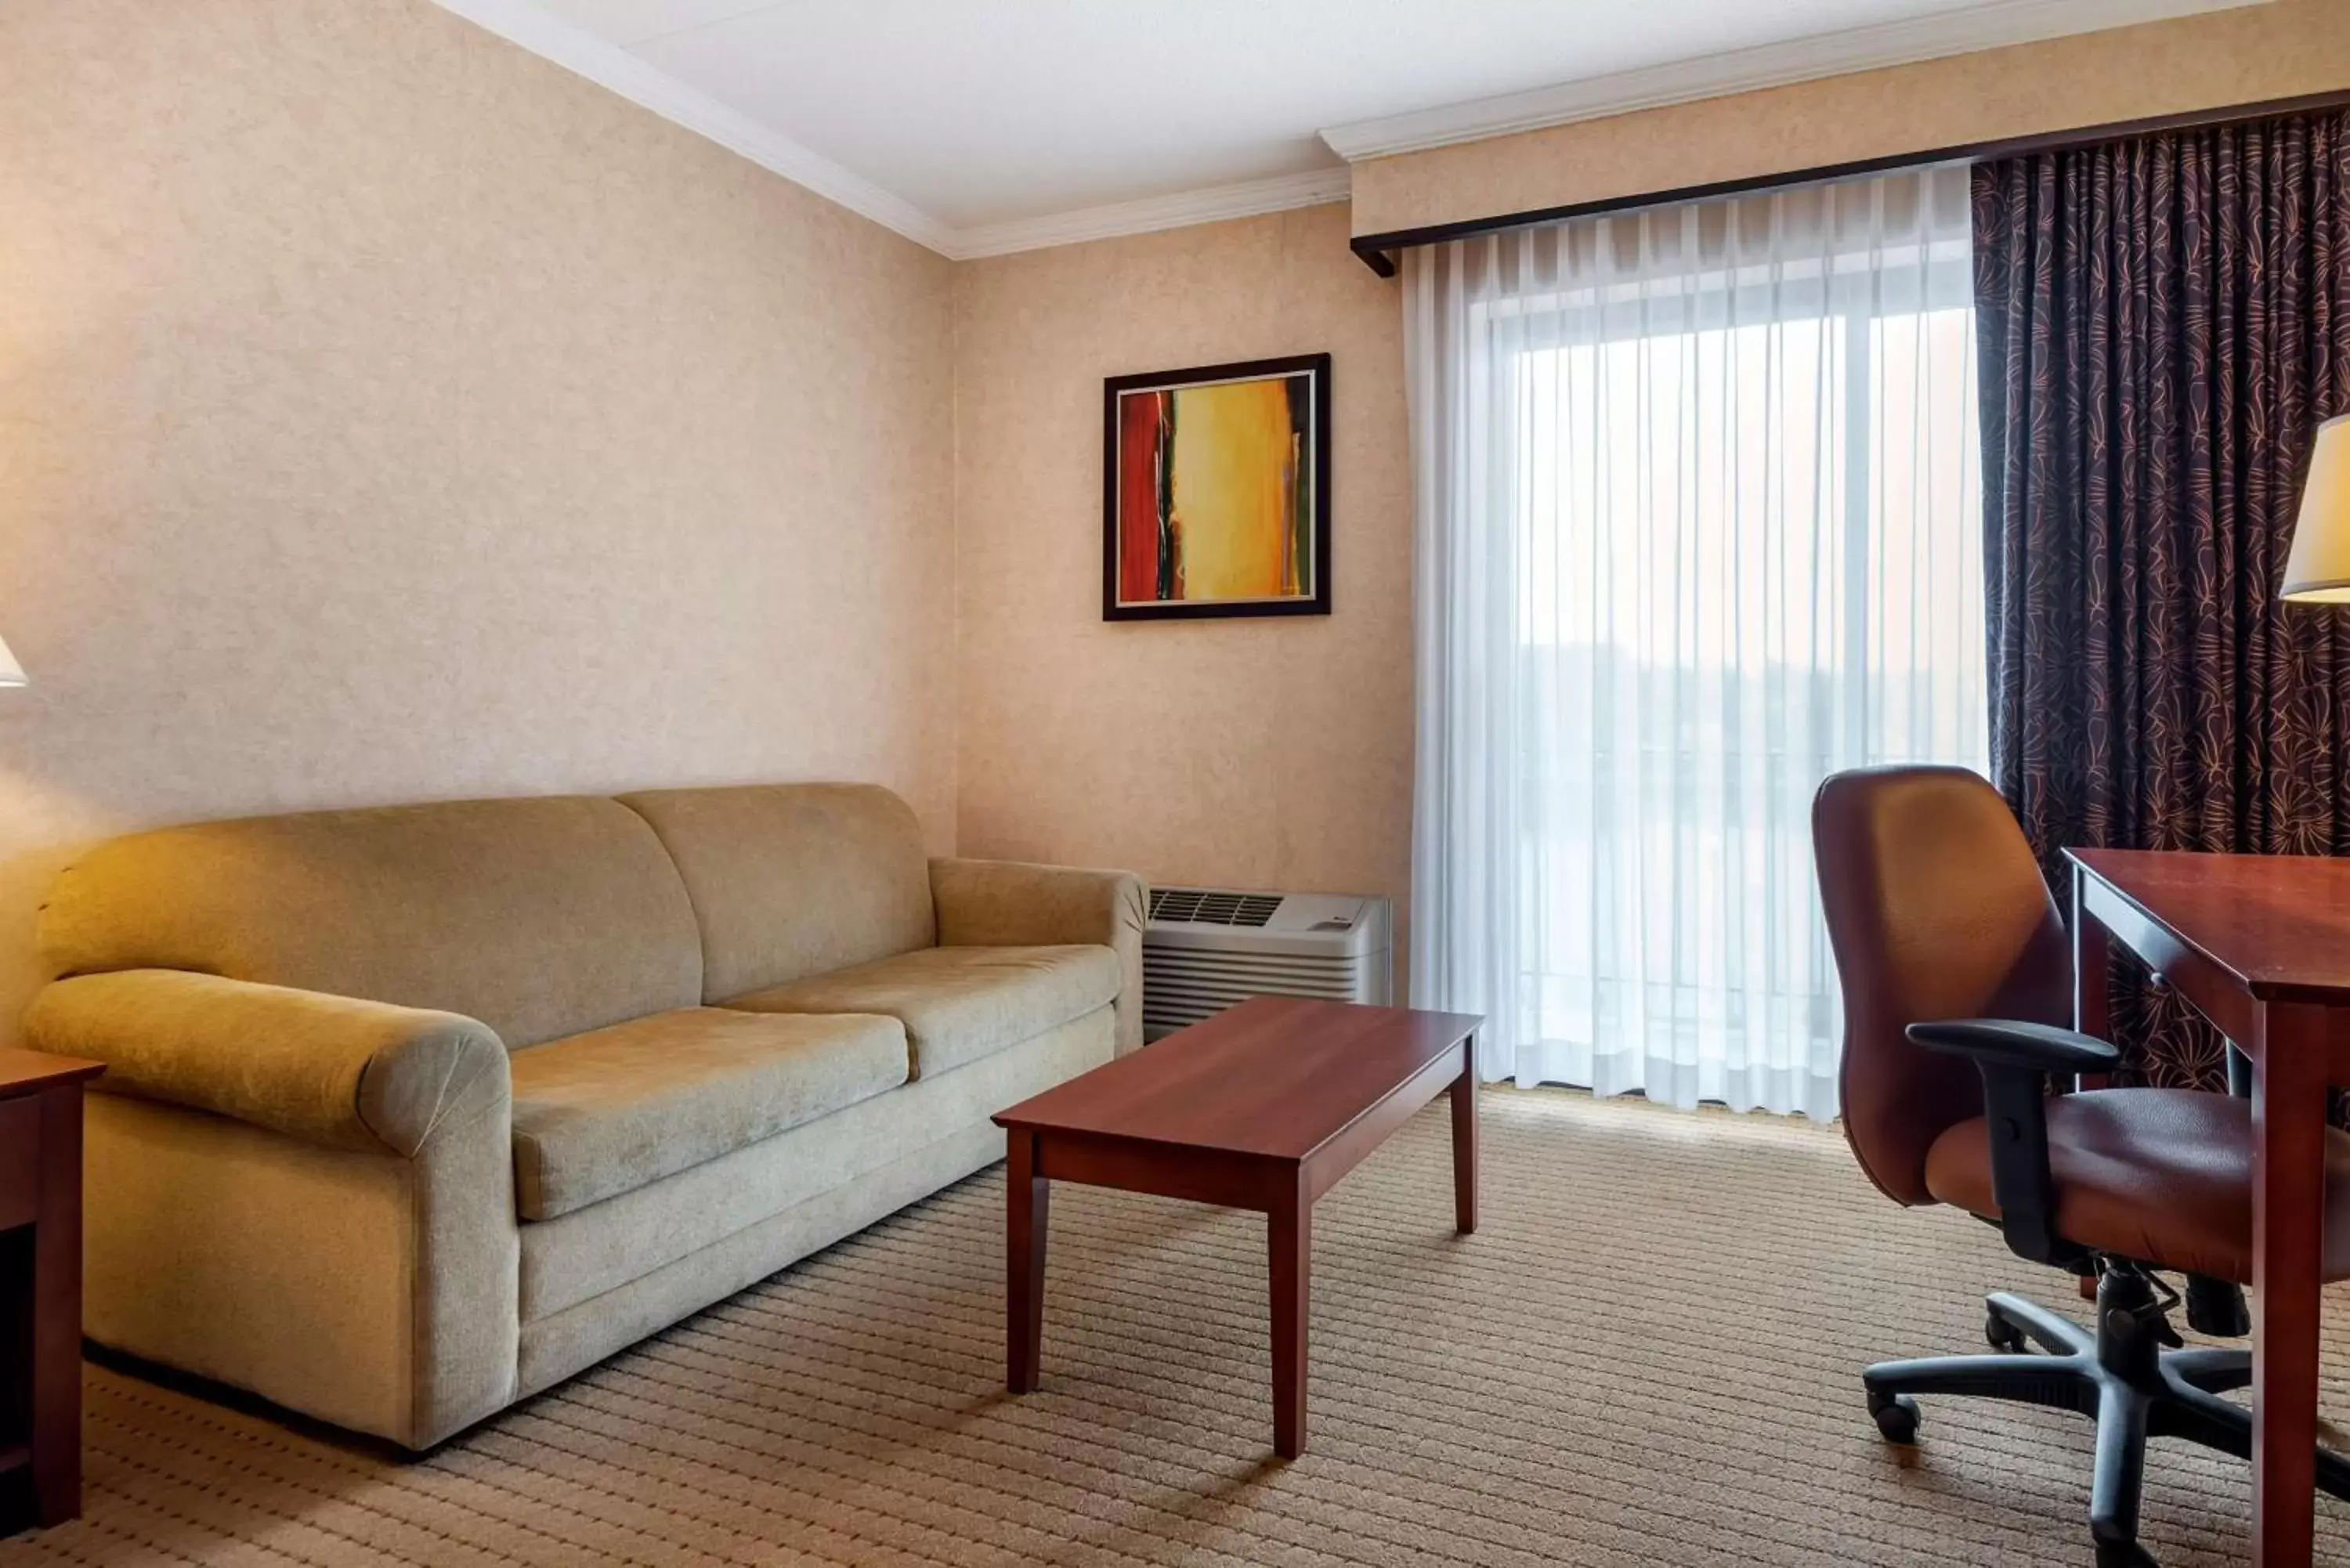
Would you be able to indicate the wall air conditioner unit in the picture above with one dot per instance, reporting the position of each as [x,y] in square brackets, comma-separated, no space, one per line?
[1205,948]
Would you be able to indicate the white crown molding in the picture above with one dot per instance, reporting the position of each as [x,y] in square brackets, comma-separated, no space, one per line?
[1989,26]
[609,65]
[1246,199]
[524,23]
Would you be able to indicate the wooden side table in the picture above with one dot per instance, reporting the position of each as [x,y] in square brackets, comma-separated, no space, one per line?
[40,1287]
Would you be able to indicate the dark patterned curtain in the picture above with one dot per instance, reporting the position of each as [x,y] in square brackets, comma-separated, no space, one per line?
[2164,322]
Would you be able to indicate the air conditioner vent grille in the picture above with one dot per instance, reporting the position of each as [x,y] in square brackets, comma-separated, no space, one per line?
[1207,907]
[1206,949]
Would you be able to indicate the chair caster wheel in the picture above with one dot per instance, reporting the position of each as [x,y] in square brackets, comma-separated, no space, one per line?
[2004,1337]
[1897,1419]
[2123,1554]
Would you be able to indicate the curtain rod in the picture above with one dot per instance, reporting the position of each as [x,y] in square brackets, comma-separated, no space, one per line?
[1377,251]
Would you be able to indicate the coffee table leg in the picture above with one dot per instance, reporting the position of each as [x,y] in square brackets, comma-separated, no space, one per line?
[1026,1195]
[1289,1235]
[1464,1141]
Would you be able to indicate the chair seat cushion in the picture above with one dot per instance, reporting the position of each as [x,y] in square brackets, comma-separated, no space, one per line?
[958,1003]
[2163,1176]
[611,1110]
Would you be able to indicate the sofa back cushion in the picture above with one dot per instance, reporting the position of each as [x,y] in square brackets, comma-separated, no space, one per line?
[790,880]
[540,918]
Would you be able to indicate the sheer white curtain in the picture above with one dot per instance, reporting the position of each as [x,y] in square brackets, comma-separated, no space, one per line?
[1699,523]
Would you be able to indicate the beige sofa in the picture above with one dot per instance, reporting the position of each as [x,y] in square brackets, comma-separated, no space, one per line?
[414,1112]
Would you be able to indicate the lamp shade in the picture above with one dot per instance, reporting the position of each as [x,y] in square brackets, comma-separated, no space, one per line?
[11,673]
[2318,569]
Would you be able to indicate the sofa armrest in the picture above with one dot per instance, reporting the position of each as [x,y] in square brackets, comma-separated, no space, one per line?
[334,1071]
[1011,903]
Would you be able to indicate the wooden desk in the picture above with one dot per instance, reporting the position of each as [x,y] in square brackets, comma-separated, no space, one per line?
[40,1287]
[1263,1107]
[2261,945]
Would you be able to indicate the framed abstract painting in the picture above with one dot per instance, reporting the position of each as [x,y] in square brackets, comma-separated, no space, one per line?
[1216,491]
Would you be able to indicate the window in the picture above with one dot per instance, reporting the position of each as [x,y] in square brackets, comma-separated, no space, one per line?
[1723,494]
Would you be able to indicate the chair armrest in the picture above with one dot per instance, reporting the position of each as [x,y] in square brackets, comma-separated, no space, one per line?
[2016,1060]
[331,1070]
[2011,1043]
[1010,903]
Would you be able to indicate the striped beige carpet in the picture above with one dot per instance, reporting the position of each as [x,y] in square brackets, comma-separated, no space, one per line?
[1647,1356]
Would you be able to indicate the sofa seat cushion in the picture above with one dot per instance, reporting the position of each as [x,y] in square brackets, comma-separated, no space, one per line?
[603,1113]
[958,1003]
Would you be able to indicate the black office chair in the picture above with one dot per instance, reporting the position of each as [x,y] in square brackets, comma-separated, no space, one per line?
[1957,978]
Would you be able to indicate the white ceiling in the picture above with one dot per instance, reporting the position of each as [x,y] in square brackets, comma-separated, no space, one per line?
[982,125]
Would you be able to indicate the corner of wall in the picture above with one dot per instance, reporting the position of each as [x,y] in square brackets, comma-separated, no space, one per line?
[958,280]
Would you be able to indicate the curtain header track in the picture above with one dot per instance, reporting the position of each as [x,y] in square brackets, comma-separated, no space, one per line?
[1377,251]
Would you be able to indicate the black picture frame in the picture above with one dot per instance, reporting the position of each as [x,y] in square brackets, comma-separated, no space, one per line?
[1315,370]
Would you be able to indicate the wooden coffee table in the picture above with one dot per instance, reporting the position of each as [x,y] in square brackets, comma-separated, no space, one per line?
[1264,1107]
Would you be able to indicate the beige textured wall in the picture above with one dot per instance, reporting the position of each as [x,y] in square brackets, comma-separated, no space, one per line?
[2284,49]
[1265,754]
[386,414]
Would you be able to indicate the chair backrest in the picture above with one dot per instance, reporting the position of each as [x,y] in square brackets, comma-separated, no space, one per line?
[1936,908]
